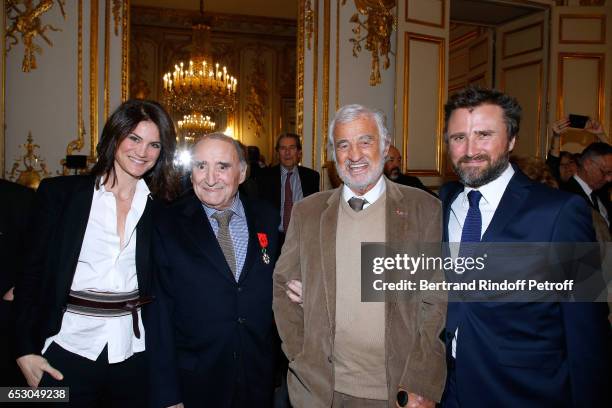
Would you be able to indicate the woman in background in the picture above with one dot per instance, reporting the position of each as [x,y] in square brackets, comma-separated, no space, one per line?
[79,301]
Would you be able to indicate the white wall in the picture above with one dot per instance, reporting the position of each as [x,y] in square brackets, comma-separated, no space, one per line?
[45,101]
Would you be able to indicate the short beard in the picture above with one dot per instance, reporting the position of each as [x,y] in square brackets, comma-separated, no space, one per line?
[346,178]
[394,174]
[474,179]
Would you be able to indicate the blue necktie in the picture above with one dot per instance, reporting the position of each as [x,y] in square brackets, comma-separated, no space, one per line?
[472,226]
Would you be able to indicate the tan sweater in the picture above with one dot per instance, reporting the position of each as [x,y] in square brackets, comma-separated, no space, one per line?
[359,343]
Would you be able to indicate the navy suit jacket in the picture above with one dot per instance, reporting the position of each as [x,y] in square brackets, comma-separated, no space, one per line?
[530,354]
[208,336]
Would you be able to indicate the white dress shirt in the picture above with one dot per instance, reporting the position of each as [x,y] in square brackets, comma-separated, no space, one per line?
[491,196]
[370,197]
[105,265]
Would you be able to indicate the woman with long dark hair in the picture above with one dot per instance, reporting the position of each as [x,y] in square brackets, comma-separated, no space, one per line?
[80,298]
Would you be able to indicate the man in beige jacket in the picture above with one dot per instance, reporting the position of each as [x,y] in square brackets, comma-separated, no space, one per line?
[343,352]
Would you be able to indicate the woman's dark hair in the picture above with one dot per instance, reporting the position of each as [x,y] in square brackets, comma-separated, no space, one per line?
[161,179]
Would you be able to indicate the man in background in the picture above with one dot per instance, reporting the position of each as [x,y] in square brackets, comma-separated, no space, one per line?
[594,173]
[393,171]
[287,183]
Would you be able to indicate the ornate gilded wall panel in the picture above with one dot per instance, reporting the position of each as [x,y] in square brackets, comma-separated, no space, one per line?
[523,40]
[519,81]
[25,25]
[582,29]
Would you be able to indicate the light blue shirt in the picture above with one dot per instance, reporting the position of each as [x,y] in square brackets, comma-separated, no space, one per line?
[239,231]
[296,189]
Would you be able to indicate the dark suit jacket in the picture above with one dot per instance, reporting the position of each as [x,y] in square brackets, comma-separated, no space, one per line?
[270,184]
[59,221]
[209,337]
[412,181]
[572,186]
[530,354]
[15,203]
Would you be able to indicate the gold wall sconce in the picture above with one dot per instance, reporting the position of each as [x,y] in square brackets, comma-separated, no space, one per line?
[30,176]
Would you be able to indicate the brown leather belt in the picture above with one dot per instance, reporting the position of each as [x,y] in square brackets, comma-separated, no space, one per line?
[130,306]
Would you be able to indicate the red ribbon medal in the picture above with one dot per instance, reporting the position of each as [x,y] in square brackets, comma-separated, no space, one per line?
[263,243]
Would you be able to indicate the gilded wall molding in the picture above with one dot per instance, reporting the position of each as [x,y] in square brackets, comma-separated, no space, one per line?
[93,78]
[308,22]
[257,97]
[439,24]
[315,81]
[598,17]
[175,18]
[440,43]
[505,55]
[125,50]
[79,142]
[107,12]
[326,56]
[26,23]
[299,72]
[472,47]
[337,104]
[379,23]
[464,38]
[117,5]
[600,58]
[539,64]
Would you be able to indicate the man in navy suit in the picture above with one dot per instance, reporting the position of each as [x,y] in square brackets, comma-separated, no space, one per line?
[210,328]
[514,354]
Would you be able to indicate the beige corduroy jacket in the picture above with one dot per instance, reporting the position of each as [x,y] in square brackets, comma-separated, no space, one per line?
[414,353]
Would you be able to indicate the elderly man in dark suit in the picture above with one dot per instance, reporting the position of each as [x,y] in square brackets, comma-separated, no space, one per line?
[211,327]
[514,354]
[287,183]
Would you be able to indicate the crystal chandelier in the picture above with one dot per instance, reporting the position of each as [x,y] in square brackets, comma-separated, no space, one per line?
[195,125]
[200,85]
